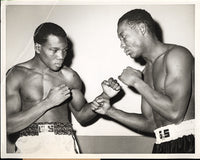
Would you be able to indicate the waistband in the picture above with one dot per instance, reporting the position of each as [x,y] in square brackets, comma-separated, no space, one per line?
[173,131]
[57,128]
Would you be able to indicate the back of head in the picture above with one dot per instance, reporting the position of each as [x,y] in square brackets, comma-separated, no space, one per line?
[139,16]
[46,29]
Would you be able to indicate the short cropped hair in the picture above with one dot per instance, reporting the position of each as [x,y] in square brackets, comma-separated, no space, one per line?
[139,16]
[46,29]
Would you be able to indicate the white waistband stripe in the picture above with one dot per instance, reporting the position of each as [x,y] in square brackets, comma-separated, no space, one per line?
[173,131]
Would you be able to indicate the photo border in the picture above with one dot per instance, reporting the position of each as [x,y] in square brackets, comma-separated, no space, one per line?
[105,2]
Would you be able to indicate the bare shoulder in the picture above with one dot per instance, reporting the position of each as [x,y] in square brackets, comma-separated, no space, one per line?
[18,72]
[72,77]
[14,78]
[179,55]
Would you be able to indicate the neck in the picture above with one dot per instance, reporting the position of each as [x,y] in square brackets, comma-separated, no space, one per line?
[39,65]
[154,50]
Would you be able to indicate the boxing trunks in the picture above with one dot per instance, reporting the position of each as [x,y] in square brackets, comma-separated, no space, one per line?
[175,138]
[48,138]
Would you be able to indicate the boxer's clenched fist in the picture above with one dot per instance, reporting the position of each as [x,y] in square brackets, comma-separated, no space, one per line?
[59,94]
[130,76]
[110,87]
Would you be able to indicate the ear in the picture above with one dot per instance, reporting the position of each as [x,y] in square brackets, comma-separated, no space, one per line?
[37,48]
[142,28]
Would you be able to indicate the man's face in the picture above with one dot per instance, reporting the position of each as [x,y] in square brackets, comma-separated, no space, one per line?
[53,52]
[130,39]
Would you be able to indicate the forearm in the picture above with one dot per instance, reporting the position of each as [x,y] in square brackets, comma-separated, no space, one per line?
[104,95]
[85,114]
[22,119]
[131,120]
[159,102]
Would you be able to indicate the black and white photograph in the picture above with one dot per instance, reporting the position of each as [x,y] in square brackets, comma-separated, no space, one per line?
[99,79]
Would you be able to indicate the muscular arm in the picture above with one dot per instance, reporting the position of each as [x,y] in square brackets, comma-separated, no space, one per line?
[143,122]
[17,118]
[80,108]
[133,120]
[78,104]
[173,104]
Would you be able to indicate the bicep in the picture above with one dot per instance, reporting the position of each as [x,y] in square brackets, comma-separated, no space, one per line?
[77,100]
[178,82]
[13,100]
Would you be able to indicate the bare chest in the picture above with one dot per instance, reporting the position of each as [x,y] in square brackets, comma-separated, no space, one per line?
[36,86]
[155,76]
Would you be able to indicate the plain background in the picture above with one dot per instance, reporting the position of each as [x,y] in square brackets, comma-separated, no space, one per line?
[98,56]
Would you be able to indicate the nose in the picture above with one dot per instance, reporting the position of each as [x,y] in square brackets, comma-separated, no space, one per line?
[122,45]
[60,55]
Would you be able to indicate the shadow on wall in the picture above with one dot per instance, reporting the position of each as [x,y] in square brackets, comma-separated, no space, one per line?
[70,53]
[159,32]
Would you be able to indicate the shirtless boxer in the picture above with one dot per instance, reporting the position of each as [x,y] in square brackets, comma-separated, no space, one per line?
[166,86]
[40,94]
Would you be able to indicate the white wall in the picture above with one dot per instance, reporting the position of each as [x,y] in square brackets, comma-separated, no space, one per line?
[97,53]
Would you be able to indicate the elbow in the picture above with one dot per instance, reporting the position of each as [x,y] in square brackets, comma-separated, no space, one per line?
[174,113]
[9,129]
[150,126]
[176,117]
[86,121]
[82,121]
[83,124]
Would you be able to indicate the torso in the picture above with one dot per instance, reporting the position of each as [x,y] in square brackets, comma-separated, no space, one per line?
[35,88]
[155,76]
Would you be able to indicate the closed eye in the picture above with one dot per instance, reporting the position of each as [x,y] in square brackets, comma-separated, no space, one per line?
[65,50]
[53,49]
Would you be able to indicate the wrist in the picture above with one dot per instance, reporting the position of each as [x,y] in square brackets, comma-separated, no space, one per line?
[110,111]
[47,103]
[104,95]
[135,84]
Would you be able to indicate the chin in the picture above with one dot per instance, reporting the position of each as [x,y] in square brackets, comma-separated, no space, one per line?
[56,69]
[136,56]
[133,56]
